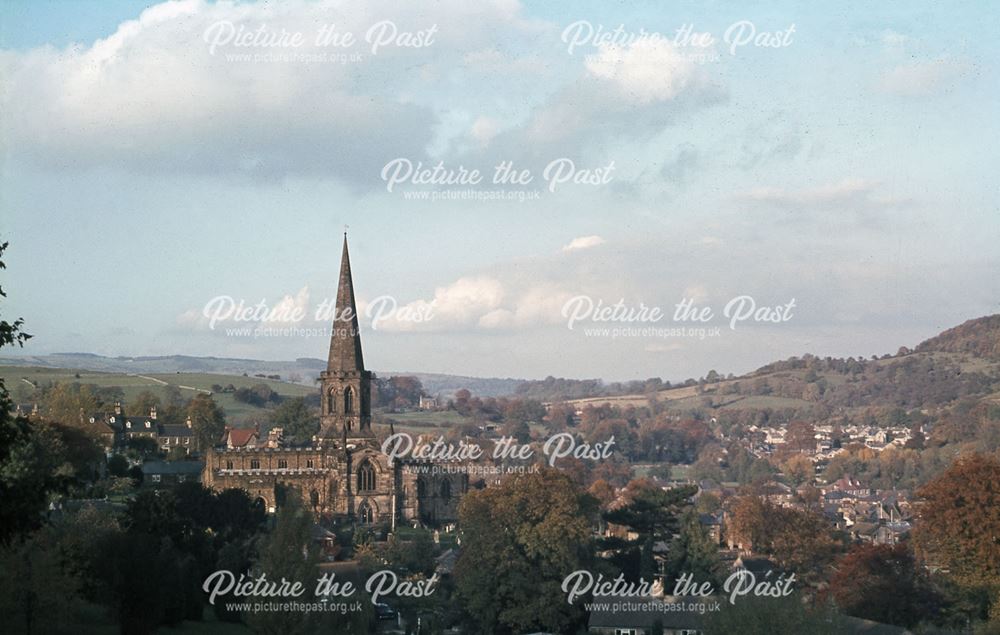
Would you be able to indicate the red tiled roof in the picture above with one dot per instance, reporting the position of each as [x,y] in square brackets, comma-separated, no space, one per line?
[239,437]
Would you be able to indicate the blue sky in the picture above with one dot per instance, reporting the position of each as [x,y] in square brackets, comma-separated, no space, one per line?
[852,169]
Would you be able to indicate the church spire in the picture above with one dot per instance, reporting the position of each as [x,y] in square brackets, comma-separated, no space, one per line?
[345,402]
[345,342]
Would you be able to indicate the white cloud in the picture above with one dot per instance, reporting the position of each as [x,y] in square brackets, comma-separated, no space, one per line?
[483,303]
[152,97]
[583,242]
[458,305]
[622,94]
[645,71]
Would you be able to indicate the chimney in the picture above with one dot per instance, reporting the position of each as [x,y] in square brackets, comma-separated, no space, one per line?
[152,413]
[118,408]
[188,421]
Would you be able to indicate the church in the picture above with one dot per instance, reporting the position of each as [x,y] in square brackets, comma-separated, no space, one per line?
[343,473]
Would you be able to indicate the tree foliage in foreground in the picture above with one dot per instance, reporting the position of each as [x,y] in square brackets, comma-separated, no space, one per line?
[520,540]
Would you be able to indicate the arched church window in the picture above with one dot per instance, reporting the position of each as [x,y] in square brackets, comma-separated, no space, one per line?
[446,490]
[331,402]
[314,498]
[421,488]
[348,400]
[366,477]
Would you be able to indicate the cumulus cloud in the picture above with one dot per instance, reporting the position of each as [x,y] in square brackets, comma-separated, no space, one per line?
[621,94]
[646,71]
[482,303]
[154,96]
[583,242]
[458,305]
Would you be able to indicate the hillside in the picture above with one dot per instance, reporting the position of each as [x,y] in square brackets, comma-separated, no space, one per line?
[23,382]
[303,370]
[979,337]
[959,365]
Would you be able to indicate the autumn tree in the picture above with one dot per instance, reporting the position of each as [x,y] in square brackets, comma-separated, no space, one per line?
[958,526]
[71,403]
[883,583]
[519,540]
[798,540]
[799,469]
[801,437]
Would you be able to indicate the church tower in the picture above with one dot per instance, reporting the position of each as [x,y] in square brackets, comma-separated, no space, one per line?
[345,401]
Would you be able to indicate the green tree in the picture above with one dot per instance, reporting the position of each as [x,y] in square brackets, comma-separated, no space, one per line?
[289,552]
[751,615]
[653,514]
[208,420]
[129,570]
[143,403]
[37,594]
[693,552]
[520,540]
[117,465]
[26,463]
[297,420]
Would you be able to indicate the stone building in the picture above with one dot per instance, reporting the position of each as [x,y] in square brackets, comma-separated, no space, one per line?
[343,473]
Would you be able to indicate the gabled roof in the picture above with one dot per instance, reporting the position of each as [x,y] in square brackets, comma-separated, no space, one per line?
[239,437]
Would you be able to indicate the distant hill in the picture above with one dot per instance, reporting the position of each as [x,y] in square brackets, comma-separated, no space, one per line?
[979,337]
[301,371]
[961,364]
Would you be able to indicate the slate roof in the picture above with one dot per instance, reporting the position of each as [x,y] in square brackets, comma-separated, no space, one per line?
[175,430]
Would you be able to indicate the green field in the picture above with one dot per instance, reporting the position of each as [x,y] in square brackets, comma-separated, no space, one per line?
[22,381]
[423,420]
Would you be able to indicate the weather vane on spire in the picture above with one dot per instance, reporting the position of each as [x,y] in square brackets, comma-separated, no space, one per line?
[346,227]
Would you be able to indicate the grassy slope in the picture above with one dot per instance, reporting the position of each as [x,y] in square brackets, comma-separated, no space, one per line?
[17,377]
[687,397]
